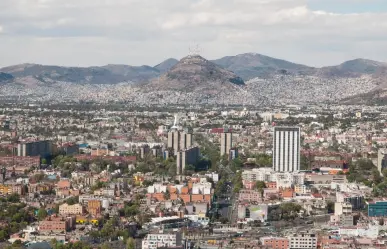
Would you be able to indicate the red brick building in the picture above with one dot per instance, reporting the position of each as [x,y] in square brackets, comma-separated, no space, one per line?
[275,242]
[30,161]
[57,224]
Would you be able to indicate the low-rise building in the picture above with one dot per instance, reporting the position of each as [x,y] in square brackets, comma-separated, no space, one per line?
[66,209]
[94,207]
[250,195]
[275,242]
[303,240]
[153,241]
[57,224]
[377,208]
[343,208]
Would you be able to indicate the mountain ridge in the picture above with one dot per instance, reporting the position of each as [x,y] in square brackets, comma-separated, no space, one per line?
[194,72]
[243,76]
[247,66]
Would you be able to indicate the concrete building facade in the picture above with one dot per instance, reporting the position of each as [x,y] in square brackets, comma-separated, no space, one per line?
[225,143]
[153,241]
[66,209]
[303,240]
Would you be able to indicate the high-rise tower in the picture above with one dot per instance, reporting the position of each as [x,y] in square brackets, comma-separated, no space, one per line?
[225,142]
[286,149]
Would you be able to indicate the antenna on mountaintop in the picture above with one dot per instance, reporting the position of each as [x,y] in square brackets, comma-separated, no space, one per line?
[194,50]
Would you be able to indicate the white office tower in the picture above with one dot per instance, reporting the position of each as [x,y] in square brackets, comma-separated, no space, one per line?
[225,142]
[286,149]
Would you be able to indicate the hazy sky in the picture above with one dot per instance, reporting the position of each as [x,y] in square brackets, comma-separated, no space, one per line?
[136,32]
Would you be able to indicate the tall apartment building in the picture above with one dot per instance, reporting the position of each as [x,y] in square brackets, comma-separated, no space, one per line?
[233,154]
[382,160]
[179,140]
[153,241]
[286,149]
[303,240]
[174,140]
[185,140]
[36,148]
[157,151]
[186,157]
[225,143]
[144,150]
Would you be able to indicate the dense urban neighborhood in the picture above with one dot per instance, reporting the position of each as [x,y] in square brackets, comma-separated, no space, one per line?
[193,124]
[117,176]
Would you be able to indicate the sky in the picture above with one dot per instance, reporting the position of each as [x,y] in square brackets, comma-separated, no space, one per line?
[146,32]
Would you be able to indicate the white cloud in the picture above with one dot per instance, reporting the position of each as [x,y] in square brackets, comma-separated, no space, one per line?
[94,32]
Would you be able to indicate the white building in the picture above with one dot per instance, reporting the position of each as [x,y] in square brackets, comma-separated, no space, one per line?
[258,174]
[214,176]
[201,188]
[369,232]
[153,241]
[283,179]
[303,240]
[301,189]
[286,149]
[287,179]
[267,116]
[343,208]
[157,188]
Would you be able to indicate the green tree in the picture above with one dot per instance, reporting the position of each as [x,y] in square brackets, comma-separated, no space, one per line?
[42,214]
[306,162]
[167,195]
[236,164]
[221,187]
[72,200]
[130,244]
[14,198]
[105,246]
[237,181]
[260,185]
[330,207]
[263,160]
[3,235]
[376,177]
[131,210]
[384,172]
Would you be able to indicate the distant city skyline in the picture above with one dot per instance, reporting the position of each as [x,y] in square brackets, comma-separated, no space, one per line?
[133,32]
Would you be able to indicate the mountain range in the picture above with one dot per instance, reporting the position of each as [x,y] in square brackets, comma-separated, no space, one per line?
[263,76]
